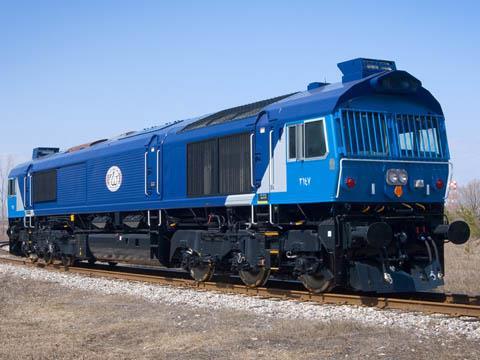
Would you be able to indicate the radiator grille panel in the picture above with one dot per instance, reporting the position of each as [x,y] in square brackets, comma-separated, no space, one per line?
[387,135]
[220,166]
[45,186]
[202,169]
[234,164]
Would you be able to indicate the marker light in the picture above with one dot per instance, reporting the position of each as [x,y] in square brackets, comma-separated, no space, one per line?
[350,182]
[439,184]
[395,82]
[398,191]
[419,183]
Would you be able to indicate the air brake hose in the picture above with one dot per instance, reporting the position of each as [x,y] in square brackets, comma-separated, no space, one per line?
[435,248]
[430,259]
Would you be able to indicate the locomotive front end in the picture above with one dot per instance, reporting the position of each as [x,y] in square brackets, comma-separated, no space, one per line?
[394,171]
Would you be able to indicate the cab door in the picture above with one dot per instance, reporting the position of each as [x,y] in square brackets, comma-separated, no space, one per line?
[153,183]
[28,191]
[15,200]
[263,174]
[311,176]
[270,157]
[28,198]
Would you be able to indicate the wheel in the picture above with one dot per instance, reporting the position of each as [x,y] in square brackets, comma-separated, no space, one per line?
[112,263]
[202,272]
[317,283]
[255,277]
[48,258]
[25,249]
[67,260]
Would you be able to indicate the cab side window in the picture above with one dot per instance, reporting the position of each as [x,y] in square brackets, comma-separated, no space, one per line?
[292,149]
[315,145]
[307,141]
[11,187]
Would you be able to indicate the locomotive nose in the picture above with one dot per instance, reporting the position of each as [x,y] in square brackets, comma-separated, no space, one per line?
[458,232]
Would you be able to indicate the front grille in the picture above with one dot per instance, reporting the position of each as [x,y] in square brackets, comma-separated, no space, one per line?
[379,134]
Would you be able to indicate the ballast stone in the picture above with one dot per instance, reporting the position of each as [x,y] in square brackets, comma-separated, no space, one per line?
[423,325]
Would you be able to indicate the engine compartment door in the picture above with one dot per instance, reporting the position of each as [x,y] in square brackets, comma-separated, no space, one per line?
[153,166]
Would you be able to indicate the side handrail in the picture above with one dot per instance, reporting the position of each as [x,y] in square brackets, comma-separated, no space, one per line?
[251,161]
[158,171]
[24,191]
[30,190]
[272,169]
[146,192]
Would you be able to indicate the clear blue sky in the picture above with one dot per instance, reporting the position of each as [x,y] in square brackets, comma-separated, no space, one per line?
[76,71]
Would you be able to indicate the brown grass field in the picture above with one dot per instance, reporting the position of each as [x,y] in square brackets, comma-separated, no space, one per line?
[462,268]
[47,321]
[41,320]
[3,229]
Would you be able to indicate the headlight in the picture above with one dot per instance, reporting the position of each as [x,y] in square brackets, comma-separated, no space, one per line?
[402,177]
[392,177]
[397,177]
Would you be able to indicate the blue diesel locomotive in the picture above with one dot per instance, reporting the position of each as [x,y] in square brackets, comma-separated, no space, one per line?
[342,185]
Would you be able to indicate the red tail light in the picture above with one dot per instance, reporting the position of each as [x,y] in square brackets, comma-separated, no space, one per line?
[439,184]
[350,182]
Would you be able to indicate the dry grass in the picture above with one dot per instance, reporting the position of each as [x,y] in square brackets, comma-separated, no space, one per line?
[46,321]
[462,268]
[3,230]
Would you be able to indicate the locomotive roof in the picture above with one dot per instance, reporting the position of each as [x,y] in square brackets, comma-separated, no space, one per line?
[323,98]
[235,113]
[320,98]
[325,95]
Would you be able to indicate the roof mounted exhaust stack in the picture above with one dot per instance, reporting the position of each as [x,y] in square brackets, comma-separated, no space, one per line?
[360,68]
[43,151]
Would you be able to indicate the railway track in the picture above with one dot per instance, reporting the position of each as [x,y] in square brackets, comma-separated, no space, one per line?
[448,304]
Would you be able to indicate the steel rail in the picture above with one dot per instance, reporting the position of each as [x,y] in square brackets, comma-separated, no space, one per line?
[448,304]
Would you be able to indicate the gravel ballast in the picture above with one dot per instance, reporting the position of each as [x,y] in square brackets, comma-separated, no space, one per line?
[420,324]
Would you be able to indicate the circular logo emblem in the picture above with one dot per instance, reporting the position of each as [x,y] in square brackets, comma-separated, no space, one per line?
[113,179]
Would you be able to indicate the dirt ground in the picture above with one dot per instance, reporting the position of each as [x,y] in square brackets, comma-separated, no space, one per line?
[47,321]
